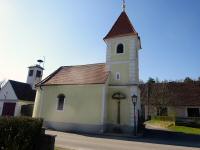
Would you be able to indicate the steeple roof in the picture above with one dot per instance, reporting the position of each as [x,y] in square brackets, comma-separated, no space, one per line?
[121,27]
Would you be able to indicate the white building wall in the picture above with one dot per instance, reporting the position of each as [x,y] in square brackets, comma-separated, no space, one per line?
[134,91]
[32,80]
[7,93]
[1,107]
[17,109]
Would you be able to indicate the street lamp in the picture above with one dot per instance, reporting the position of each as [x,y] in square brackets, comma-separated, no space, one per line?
[134,100]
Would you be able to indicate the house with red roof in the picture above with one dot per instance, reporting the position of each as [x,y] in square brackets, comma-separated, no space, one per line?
[174,99]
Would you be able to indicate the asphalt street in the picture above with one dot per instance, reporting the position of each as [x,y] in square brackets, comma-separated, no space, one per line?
[151,141]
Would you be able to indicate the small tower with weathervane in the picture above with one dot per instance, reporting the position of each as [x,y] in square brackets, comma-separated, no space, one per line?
[35,74]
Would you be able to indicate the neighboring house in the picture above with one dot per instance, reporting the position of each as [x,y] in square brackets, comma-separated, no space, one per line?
[14,95]
[97,97]
[171,99]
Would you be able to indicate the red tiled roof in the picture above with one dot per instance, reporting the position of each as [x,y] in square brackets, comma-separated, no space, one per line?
[78,75]
[121,27]
[172,94]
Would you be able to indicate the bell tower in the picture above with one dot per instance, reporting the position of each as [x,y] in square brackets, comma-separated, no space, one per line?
[35,74]
[123,44]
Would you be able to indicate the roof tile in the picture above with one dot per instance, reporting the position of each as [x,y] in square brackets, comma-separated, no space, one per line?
[75,75]
[173,94]
[121,27]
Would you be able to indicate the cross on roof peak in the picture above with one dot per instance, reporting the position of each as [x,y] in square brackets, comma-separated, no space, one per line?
[123,5]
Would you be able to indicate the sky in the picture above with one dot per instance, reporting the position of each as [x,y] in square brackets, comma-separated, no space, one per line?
[70,32]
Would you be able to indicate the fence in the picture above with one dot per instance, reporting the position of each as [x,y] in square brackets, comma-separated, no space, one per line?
[188,121]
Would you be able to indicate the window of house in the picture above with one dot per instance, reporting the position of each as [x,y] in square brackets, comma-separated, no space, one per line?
[61,101]
[30,73]
[38,74]
[193,112]
[162,111]
[120,49]
[117,76]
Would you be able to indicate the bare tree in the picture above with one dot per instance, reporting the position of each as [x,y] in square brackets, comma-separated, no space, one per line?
[157,95]
[160,95]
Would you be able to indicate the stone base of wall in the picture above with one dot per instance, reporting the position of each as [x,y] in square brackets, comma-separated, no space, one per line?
[74,127]
[123,129]
[88,128]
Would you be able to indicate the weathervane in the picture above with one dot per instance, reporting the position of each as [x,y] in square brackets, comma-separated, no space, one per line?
[124,5]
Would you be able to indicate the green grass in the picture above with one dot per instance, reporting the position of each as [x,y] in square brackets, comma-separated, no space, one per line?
[183,129]
[170,125]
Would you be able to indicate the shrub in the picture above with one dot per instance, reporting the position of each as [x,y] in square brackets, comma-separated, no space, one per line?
[19,133]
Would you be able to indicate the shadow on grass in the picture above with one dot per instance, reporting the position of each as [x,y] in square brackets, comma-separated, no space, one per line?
[156,137]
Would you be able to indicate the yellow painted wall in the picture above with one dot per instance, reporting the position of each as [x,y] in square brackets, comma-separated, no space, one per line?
[83,104]
[38,101]
[112,106]
[120,57]
[123,69]
[21,102]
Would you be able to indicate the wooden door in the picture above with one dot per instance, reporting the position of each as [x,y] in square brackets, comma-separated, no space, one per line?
[8,109]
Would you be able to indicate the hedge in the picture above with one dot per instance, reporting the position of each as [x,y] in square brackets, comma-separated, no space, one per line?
[19,133]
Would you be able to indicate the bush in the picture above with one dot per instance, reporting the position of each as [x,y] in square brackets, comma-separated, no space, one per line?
[20,133]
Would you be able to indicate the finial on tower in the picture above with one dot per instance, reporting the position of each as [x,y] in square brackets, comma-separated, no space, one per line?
[124,5]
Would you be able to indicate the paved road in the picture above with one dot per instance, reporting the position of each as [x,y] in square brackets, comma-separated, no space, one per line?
[89,142]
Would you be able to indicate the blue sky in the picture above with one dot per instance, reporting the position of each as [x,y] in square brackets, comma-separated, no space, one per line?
[70,32]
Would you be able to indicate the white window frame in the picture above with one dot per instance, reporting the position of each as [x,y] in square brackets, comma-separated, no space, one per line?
[58,104]
[116,76]
[117,46]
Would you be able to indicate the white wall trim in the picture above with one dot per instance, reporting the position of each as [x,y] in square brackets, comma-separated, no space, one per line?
[108,52]
[103,106]
[134,90]
[1,107]
[17,109]
[118,62]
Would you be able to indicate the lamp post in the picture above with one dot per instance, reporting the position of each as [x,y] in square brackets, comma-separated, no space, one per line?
[134,100]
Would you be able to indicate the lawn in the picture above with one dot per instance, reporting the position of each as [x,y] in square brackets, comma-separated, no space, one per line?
[183,129]
[170,125]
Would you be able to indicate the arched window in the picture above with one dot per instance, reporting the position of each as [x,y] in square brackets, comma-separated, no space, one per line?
[61,102]
[117,76]
[120,48]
